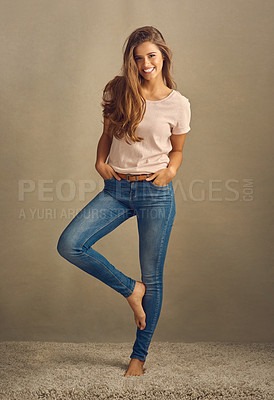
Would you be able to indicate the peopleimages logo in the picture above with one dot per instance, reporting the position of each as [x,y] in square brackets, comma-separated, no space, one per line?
[46,191]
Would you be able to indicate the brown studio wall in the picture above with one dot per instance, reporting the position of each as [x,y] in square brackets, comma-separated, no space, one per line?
[56,58]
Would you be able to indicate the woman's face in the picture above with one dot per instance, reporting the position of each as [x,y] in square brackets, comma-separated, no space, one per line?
[149,60]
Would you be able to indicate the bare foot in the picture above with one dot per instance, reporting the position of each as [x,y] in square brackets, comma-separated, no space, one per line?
[135,302]
[135,368]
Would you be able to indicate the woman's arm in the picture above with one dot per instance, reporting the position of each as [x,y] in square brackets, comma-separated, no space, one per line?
[165,175]
[176,154]
[103,148]
[104,145]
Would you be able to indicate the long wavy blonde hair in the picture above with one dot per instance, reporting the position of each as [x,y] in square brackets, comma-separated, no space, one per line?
[123,104]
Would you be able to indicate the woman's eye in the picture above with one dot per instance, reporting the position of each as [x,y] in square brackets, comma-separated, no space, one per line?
[138,58]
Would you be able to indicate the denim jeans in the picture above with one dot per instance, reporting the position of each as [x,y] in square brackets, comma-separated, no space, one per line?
[154,208]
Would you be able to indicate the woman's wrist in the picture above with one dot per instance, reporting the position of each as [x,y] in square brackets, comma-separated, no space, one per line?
[99,163]
[172,170]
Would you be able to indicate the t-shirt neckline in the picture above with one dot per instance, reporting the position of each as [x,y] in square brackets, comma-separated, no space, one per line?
[165,98]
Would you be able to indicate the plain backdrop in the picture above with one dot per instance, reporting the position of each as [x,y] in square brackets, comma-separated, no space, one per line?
[56,57]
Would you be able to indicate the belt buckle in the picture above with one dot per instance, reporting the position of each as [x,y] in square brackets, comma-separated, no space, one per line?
[127,175]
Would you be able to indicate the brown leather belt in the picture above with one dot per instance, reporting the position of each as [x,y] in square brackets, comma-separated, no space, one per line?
[130,177]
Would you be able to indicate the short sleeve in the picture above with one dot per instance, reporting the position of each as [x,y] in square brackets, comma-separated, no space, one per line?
[183,118]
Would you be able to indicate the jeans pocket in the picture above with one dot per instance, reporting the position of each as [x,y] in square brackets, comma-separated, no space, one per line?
[109,179]
[157,186]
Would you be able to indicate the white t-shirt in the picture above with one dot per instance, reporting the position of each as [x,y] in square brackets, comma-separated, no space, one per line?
[162,118]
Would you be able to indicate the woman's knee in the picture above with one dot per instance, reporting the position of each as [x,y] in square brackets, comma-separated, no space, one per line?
[66,245]
[61,248]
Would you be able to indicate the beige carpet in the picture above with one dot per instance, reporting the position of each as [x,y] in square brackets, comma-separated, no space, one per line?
[39,370]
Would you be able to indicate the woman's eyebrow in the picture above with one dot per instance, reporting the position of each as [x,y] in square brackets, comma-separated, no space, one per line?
[137,55]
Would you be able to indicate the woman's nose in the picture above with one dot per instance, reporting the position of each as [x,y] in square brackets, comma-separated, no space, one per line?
[147,64]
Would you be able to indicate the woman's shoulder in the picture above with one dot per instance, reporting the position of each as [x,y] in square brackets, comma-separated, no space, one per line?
[180,97]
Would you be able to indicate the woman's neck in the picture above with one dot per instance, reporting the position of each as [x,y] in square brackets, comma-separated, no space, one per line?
[157,93]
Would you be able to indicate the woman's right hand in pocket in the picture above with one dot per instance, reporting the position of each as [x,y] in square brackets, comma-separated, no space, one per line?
[106,171]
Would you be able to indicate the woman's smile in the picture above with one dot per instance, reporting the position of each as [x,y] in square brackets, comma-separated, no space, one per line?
[148,71]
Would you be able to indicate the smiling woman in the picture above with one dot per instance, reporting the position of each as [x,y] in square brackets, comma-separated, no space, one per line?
[149,60]
[139,152]
[150,56]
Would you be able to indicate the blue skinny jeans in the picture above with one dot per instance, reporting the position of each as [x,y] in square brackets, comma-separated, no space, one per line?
[154,207]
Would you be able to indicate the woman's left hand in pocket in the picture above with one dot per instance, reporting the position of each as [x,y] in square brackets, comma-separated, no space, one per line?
[162,177]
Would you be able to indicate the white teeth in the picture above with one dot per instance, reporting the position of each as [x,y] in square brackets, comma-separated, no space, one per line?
[148,70]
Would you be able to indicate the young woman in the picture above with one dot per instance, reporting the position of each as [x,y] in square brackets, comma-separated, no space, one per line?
[145,122]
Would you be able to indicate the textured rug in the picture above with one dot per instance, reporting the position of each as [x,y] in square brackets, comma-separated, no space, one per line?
[192,371]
